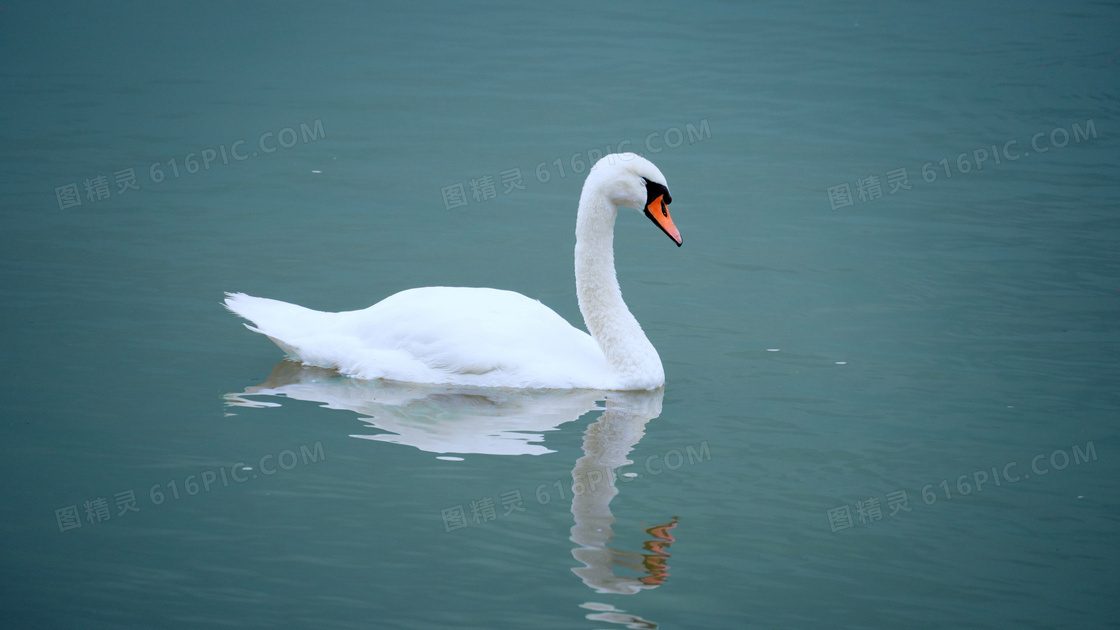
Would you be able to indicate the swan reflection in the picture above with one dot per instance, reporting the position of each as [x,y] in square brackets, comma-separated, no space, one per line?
[471,420]
[610,614]
[438,419]
[606,444]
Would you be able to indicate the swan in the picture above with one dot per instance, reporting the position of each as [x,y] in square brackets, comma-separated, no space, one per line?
[490,337]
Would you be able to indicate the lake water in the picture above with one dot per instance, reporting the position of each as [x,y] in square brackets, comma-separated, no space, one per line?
[890,337]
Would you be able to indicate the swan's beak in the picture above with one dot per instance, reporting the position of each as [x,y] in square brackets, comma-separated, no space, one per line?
[658,212]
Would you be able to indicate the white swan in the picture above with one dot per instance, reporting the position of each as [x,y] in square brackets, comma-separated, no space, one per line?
[493,338]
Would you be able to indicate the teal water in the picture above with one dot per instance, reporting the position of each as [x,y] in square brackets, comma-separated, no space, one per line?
[892,405]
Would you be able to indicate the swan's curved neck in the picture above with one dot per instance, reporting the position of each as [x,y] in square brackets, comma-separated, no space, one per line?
[629,353]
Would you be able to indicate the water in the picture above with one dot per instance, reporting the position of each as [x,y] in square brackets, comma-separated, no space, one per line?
[824,353]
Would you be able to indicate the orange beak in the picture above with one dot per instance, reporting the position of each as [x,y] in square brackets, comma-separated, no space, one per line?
[658,212]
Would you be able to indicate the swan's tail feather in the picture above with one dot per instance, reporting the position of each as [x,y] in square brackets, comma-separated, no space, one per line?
[281,322]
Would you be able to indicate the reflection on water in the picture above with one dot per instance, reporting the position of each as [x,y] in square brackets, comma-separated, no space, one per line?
[606,443]
[610,614]
[432,418]
[490,421]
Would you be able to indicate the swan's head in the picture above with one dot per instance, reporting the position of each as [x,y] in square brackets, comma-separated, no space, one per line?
[630,180]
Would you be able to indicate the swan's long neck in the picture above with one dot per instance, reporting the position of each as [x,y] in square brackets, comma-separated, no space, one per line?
[629,353]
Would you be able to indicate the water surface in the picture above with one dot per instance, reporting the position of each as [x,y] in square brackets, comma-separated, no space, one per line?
[887,405]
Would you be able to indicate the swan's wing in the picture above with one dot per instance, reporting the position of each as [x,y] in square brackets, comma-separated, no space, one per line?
[484,336]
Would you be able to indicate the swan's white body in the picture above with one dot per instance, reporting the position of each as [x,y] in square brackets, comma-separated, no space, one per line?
[488,337]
